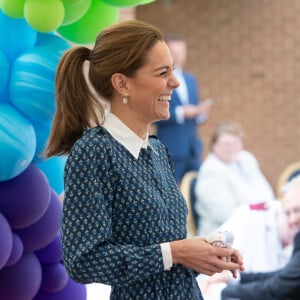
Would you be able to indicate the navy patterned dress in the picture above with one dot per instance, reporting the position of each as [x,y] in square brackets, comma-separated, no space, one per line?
[117,210]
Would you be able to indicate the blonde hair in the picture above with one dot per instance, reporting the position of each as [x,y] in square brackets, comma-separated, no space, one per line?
[226,127]
[121,48]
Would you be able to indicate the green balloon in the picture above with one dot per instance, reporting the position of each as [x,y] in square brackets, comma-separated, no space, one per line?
[44,15]
[74,10]
[147,1]
[123,3]
[13,8]
[73,1]
[86,29]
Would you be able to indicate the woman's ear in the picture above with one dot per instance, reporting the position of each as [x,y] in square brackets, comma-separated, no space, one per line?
[119,82]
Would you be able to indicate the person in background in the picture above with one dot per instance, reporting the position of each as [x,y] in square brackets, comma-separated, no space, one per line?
[124,218]
[285,282]
[228,177]
[268,230]
[180,132]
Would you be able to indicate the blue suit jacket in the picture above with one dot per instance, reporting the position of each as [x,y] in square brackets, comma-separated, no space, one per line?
[283,284]
[181,139]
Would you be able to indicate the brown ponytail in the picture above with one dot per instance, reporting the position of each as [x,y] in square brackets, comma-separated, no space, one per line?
[77,108]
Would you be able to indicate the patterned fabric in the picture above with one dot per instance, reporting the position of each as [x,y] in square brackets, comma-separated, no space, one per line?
[117,210]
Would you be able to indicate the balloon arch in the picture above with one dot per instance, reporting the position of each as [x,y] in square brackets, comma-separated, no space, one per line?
[33,36]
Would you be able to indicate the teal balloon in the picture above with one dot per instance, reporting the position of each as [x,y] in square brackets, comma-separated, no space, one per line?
[31,86]
[4,72]
[52,42]
[86,29]
[42,132]
[74,10]
[122,3]
[17,142]
[53,168]
[16,36]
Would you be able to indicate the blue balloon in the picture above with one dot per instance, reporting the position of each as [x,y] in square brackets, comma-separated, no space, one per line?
[52,41]
[16,36]
[32,83]
[17,142]
[42,131]
[54,171]
[4,72]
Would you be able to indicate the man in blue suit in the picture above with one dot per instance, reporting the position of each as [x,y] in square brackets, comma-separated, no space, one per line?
[180,132]
[283,284]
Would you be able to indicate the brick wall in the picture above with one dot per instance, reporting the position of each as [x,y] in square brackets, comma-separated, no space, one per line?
[246,56]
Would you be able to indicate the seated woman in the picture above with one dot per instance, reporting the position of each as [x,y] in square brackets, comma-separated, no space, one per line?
[283,283]
[228,178]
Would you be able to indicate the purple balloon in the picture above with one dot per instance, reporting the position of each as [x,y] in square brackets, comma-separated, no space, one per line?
[17,250]
[52,253]
[25,198]
[45,229]
[6,241]
[22,280]
[54,278]
[72,290]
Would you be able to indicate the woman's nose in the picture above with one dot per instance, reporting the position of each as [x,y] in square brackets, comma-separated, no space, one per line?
[174,81]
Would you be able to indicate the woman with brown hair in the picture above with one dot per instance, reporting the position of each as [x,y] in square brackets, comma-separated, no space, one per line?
[124,219]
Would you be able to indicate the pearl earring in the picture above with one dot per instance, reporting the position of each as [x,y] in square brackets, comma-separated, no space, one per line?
[125,99]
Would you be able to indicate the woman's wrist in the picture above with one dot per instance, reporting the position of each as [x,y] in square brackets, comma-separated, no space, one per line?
[177,251]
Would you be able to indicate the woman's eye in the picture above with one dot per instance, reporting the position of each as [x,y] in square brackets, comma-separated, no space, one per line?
[163,73]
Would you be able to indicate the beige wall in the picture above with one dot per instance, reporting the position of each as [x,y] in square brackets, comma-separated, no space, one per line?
[246,56]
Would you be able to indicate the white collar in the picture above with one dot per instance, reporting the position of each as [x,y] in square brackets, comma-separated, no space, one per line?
[124,135]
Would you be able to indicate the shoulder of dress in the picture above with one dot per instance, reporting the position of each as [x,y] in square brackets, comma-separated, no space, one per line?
[94,137]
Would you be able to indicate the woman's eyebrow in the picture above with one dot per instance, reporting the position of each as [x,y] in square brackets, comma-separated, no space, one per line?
[161,68]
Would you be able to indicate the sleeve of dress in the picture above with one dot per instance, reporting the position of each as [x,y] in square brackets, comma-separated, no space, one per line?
[88,251]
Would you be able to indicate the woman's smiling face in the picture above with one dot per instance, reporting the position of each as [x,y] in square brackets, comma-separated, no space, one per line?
[228,147]
[151,87]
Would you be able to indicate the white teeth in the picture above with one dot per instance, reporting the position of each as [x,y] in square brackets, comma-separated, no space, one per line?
[164,98]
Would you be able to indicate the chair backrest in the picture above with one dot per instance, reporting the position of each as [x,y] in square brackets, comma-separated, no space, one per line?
[291,171]
[187,188]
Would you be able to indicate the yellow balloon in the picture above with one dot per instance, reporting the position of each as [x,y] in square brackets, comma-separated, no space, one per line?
[13,8]
[44,15]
